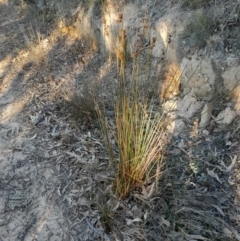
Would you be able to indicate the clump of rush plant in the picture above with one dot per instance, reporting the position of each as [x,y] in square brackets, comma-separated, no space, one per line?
[139,130]
[139,138]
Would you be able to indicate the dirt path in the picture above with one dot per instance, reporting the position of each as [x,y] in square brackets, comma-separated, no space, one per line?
[35,180]
[27,183]
[52,165]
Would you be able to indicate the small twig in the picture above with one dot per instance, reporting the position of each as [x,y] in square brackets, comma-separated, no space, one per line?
[101,233]
[10,180]
[180,148]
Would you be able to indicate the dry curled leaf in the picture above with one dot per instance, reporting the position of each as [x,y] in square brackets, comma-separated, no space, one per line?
[14,127]
[230,167]
[151,191]
[142,198]
[73,154]
[165,222]
[145,215]
[130,221]
[213,174]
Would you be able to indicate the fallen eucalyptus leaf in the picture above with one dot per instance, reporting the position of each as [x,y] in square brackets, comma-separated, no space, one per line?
[130,221]
[230,167]
[213,174]
[165,222]
[197,237]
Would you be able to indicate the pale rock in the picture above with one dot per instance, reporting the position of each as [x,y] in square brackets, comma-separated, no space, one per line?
[176,127]
[236,98]
[231,78]
[205,133]
[167,31]
[206,115]
[226,116]
[188,106]
[198,77]
[236,93]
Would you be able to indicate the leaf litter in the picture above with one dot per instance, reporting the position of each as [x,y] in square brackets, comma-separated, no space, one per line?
[55,177]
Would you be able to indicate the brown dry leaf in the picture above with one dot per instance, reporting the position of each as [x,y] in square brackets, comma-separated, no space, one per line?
[213,174]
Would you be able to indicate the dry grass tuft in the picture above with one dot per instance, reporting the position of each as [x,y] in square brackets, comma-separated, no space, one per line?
[140,138]
[140,131]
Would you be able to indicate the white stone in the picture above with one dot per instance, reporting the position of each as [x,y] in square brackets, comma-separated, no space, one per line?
[198,77]
[176,127]
[235,96]
[226,116]
[167,31]
[188,106]
[206,115]
[231,78]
